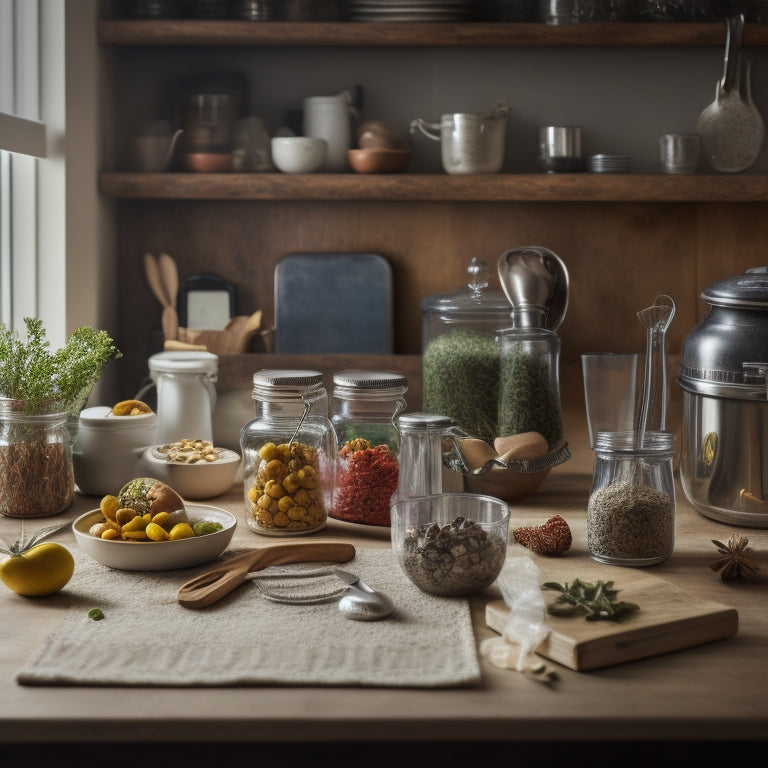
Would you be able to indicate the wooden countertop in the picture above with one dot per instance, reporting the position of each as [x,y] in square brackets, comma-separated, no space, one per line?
[699,697]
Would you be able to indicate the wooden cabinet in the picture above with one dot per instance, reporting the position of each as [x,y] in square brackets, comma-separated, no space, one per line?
[624,238]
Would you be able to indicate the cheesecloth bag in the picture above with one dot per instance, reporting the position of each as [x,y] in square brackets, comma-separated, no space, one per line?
[526,627]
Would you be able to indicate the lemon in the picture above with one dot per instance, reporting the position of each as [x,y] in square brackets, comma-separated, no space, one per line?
[38,571]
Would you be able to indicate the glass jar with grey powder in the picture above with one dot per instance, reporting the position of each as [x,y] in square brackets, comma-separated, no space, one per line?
[631,510]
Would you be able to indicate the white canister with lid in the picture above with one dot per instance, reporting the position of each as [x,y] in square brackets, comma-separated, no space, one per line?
[329,118]
[186,394]
[108,449]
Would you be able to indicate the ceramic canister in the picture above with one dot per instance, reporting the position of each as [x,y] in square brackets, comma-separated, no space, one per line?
[328,117]
[108,450]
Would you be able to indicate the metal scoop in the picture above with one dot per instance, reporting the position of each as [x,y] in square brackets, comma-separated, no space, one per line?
[535,277]
[731,128]
[360,601]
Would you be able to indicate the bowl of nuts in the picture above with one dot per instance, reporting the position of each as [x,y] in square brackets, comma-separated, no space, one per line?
[195,468]
[450,544]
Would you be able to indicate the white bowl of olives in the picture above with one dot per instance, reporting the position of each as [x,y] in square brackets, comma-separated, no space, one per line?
[131,555]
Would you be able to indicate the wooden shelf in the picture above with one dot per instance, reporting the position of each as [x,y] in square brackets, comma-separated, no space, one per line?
[533,187]
[357,34]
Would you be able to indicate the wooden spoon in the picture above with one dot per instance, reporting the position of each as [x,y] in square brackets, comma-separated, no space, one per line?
[208,587]
[152,272]
[170,278]
[157,284]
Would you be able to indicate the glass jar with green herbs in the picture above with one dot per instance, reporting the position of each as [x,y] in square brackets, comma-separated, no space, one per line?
[460,353]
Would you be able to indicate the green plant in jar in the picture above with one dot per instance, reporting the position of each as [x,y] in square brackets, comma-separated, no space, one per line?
[41,396]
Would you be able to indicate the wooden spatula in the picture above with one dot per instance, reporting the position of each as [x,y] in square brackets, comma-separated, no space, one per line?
[212,585]
[170,278]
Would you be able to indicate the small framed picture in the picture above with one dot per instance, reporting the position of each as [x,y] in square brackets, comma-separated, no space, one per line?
[206,302]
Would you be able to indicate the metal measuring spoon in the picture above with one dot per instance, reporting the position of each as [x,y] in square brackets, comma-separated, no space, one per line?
[360,602]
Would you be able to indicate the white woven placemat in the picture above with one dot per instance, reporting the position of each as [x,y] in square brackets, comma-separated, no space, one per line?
[148,639]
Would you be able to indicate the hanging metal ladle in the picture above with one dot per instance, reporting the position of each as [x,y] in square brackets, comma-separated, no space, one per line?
[731,128]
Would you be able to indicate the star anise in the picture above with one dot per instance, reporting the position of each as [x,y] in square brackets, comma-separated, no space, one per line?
[735,564]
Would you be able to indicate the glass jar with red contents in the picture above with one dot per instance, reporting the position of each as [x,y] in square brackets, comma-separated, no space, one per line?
[364,409]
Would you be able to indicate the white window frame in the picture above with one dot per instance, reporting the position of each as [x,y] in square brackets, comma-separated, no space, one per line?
[32,177]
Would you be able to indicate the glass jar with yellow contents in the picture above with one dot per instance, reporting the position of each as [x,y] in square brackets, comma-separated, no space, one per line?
[289,454]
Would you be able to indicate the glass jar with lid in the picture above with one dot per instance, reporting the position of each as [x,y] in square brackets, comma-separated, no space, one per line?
[529,394]
[289,454]
[460,368]
[364,409]
[631,509]
[535,281]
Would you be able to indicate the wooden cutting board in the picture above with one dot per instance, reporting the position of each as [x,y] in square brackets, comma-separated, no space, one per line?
[668,619]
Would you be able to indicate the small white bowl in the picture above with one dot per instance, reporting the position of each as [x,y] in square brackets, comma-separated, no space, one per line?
[203,480]
[157,555]
[298,154]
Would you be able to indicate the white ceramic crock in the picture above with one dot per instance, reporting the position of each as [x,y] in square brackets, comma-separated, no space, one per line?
[108,450]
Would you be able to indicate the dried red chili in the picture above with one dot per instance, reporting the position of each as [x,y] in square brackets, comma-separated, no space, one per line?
[366,480]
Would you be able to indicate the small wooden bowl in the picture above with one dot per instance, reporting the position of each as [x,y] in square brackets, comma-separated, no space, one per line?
[207,162]
[378,160]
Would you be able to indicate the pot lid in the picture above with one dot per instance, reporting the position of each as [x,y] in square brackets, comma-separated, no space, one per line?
[749,290]
[726,354]
[475,300]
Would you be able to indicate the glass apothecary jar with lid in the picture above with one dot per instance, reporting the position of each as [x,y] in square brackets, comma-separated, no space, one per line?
[289,454]
[535,281]
[460,351]
[364,409]
[631,509]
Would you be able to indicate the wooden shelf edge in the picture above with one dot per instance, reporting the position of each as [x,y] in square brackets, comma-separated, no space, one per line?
[532,187]
[179,32]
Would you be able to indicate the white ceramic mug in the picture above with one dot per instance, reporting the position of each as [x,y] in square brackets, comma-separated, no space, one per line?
[328,117]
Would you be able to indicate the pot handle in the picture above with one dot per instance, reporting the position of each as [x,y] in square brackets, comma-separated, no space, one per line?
[425,128]
[501,110]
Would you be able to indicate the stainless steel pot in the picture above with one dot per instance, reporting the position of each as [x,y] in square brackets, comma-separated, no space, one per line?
[469,142]
[724,376]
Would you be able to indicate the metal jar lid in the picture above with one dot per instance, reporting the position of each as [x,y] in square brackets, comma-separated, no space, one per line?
[726,354]
[287,383]
[370,380]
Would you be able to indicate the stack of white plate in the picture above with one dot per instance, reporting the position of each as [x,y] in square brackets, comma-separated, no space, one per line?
[408,10]
[610,163]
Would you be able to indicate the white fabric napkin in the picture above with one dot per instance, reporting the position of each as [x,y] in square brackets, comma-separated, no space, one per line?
[147,639]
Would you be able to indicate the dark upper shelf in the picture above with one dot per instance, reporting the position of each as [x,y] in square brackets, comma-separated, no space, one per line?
[350,34]
[438,187]
[532,187]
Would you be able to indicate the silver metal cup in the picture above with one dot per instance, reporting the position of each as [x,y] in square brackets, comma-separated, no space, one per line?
[679,153]
[559,141]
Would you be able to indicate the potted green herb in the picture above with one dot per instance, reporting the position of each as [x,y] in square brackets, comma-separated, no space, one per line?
[41,396]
